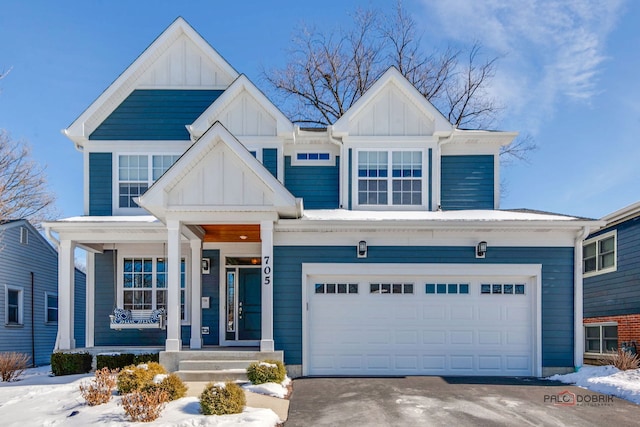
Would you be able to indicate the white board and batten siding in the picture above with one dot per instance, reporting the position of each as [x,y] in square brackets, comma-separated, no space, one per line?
[398,320]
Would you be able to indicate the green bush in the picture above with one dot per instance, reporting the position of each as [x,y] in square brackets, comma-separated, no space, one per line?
[135,378]
[222,399]
[70,363]
[146,358]
[114,361]
[267,371]
[172,385]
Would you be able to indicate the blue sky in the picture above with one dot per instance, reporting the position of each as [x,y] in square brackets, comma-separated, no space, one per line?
[567,75]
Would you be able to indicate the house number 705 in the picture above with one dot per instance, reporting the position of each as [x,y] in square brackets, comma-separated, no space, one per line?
[266,270]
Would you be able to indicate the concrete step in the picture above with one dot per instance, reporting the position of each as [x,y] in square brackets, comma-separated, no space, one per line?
[213,365]
[221,375]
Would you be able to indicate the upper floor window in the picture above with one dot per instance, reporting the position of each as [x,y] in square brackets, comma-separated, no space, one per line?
[137,172]
[390,178]
[599,254]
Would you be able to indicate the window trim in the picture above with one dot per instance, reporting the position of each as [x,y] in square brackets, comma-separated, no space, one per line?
[46,307]
[597,239]
[20,291]
[424,179]
[116,177]
[599,325]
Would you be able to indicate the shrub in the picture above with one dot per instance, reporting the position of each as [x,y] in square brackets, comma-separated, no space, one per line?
[623,360]
[12,365]
[70,363]
[100,389]
[114,361]
[171,384]
[222,399]
[144,406]
[267,371]
[146,358]
[135,378]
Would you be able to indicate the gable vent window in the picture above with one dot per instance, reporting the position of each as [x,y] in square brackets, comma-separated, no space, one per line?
[136,173]
[599,254]
[24,235]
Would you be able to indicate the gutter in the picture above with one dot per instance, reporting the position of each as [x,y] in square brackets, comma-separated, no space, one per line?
[578,293]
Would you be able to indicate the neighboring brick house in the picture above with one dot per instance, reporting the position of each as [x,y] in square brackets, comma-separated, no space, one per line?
[611,266]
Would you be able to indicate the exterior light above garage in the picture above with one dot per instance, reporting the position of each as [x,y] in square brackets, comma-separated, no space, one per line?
[481,249]
[362,249]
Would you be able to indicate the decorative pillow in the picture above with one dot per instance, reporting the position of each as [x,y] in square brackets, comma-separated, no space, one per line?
[121,315]
[156,315]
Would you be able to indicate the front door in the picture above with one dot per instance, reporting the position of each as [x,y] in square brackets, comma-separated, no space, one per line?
[243,302]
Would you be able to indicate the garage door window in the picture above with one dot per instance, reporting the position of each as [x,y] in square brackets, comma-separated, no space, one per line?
[391,288]
[446,288]
[505,289]
[336,288]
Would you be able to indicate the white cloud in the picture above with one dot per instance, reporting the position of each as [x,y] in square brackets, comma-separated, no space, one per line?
[553,48]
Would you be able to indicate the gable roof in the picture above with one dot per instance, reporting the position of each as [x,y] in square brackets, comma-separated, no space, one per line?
[8,224]
[217,176]
[221,74]
[393,77]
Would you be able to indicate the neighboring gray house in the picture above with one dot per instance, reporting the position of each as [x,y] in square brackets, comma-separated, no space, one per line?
[29,293]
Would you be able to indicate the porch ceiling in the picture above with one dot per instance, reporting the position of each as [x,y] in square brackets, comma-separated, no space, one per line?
[232,233]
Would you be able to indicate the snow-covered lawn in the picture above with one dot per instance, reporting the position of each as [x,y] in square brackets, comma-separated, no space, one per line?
[38,399]
[606,380]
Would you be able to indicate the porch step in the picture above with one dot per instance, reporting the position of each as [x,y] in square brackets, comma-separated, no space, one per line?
[221,375]
[213,365]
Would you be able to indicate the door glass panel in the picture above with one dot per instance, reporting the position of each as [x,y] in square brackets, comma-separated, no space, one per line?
[231,292]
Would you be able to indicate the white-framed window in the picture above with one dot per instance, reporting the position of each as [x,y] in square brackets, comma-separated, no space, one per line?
[599,254]
[313,158]
[50,307]
[136,173]
[144,284]
[390,178]
[14,305]
[600,337]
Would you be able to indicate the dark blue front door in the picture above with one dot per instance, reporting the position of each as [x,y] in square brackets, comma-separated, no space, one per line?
[249,304]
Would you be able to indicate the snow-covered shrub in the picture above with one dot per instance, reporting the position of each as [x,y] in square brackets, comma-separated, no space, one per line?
[171,384]
[135,378]
[142,406]
[12,365]
[71,363]
[222,399]
[267,371]
[100,389]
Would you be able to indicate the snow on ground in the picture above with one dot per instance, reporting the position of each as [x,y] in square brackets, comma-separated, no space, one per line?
[606,380]
[270,389]
[38,399]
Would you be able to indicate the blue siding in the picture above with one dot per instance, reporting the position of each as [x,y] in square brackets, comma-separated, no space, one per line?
[467,182]
[270,160]
[617,293]
[100,184]
[211,289]
[155,114]
[318,186]
[557,287]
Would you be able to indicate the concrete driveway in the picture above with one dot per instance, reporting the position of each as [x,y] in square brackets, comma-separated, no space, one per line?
[452,401]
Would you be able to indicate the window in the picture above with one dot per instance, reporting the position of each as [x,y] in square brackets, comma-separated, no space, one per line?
[446,288]
[505,289]
[601,337]
[136,173]
[145,284]
[390,178]
[24,235]
[50,307]
[336,288]
[599,254]
[391,288]
[13,305]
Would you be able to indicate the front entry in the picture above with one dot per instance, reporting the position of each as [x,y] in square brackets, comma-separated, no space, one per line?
[243,309]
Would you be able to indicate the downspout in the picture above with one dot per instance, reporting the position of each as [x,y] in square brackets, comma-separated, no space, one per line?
[437,170]
[33,328]
[344,167]
[578,328]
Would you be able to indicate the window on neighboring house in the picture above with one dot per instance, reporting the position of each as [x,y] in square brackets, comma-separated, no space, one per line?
[51,307]
[14,305]
[601,337]
[145,284]
[136,173]
[599,254]
[24,235]
[390,178]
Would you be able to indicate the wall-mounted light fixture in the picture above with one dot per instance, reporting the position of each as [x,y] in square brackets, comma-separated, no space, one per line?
[362,249]
[206,265]
[481,249]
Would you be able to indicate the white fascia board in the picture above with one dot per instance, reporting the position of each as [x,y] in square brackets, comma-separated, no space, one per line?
[239,85]
[624,214]
[124,84]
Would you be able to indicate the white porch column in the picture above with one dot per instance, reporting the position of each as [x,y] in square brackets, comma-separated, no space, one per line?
[65,339]
[90,299]
[196,293]
[266,236]
[174,339]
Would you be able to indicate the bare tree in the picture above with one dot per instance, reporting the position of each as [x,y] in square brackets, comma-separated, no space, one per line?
[23,187]
[330,70]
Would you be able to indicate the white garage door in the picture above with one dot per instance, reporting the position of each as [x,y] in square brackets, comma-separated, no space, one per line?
[381,325]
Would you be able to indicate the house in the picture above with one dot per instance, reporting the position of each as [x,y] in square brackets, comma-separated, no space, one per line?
[375,246]
[29,293]
[611,266]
